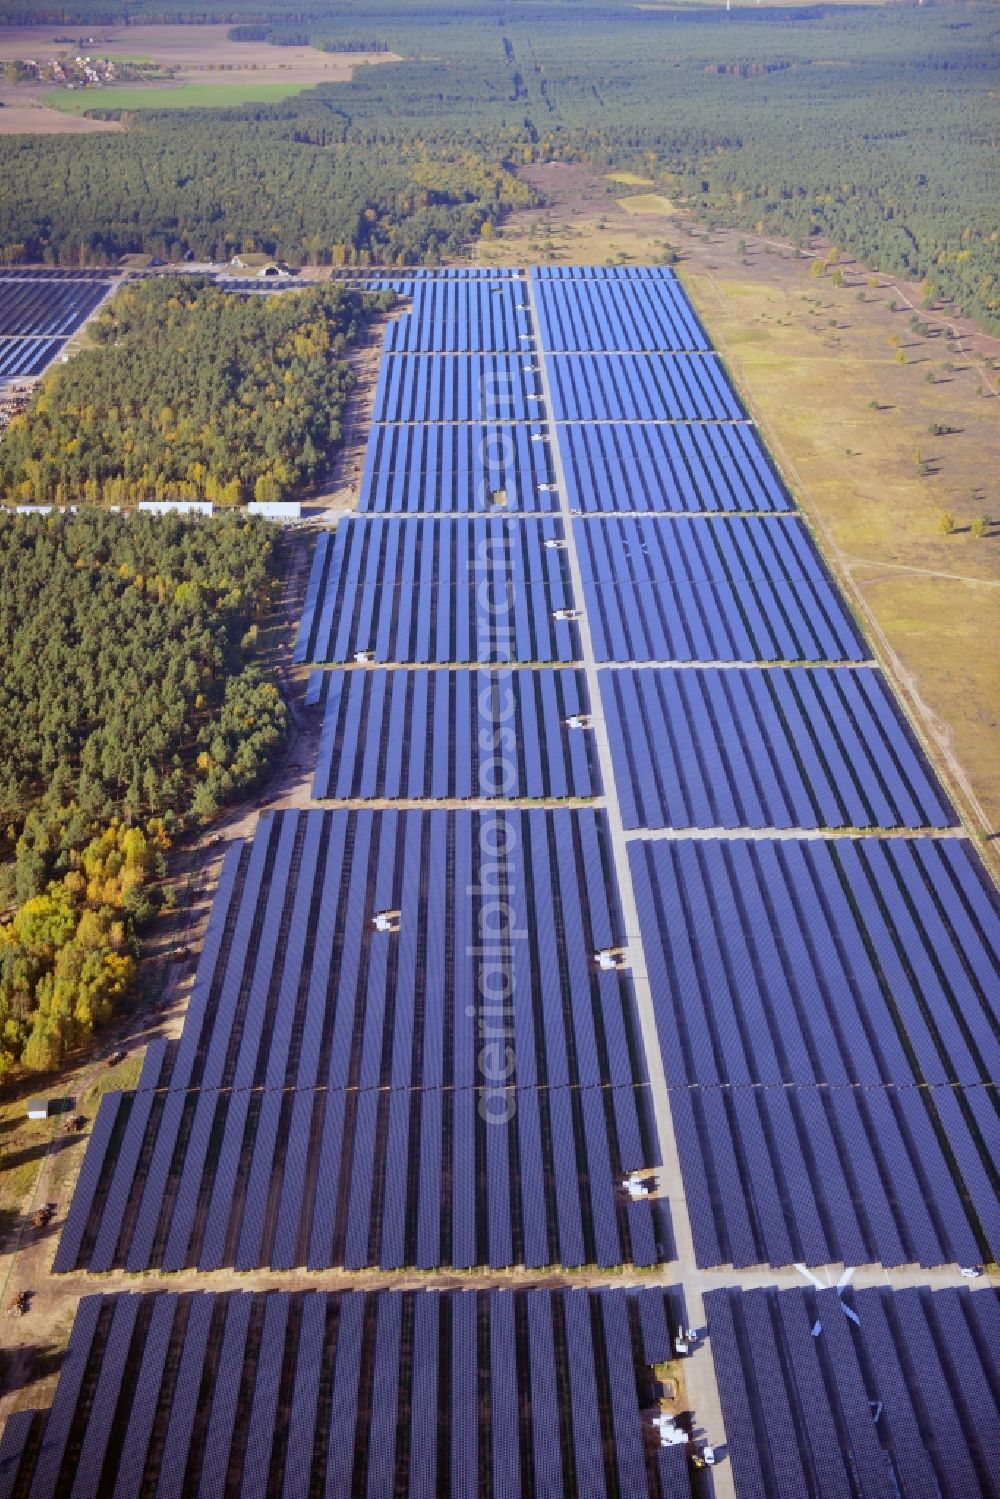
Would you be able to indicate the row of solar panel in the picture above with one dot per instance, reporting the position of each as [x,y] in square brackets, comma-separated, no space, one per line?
[711,588]
[453,734]
[828,1017]
[456,1394]
[44,308]
[641,387]
[611,468]
[586,387]
[500,916]
[458,388]
[575,316]
[652,316]
[879,1395]
[748,747]
[668,466]
[107,274]
[649,273]
[22,357]
[706,588]
[618,273]
[462,317]
[382,1177]
[417,274]
[461,468]
[762,747]
[458,590]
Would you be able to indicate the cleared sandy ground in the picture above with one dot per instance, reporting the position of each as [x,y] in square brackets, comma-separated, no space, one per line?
[29,116]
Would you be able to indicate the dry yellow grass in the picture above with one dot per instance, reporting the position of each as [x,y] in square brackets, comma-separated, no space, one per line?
[647,203]
[628,179]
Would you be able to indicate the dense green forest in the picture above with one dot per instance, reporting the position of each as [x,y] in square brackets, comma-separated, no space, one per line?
[241,400]
[214,182]
[876,128]
[130,707]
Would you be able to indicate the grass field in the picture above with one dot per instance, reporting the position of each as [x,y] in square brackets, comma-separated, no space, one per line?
[646,203]
[629,179]
[183,96]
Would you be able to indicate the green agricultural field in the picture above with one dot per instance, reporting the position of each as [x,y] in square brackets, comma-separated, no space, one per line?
[183,96]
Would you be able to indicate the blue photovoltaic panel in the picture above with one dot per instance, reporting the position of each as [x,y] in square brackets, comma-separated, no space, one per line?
[786,978]
[299,991]
[13,1445]
[827,1010]
[796,747]
[677,467]
[457,388]
[898,1399]
[467,316]
[417,274]
[363,1216]
[608,316]
[463,468]
[87,1182]
[388,1392]
[640,388]
[27,356]
[60,1420]
[323,1004]
[93,1449]
[601,273]
[453,734]
[711,588]
[46,308]
[455,590]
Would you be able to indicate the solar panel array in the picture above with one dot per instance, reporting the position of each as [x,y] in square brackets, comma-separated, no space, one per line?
[319,1049]
[882,1394]
[453,734]
[828,1019]
[297,991]
[359,1178]
[826,1003]
[38,313]
[680,467]
[582,316]
[455,1394]
[710,588]
[439,590]
[457,388]
[759,748]
[426,469]
[466,316]
[641,387]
